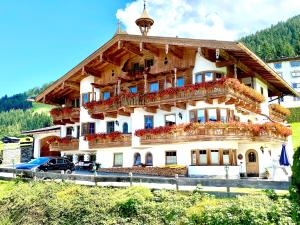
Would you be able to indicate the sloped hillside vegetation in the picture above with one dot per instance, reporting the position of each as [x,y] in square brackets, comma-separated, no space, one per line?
[280,40]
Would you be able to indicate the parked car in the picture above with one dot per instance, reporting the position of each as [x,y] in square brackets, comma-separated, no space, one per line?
[44,164]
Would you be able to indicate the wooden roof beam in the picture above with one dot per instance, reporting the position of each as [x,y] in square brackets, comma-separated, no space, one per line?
[73,85]
[133,49]
[166,108]
[244,68]
[151,48]
[151,109]
[177,51]
[115,61]
[224,63]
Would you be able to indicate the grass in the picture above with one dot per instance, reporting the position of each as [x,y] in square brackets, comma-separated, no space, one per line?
[39,107]
[296,134]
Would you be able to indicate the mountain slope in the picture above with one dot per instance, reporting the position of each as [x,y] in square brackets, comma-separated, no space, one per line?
[280,40]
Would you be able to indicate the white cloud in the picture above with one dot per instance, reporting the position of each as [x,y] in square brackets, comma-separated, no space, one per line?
[209,19]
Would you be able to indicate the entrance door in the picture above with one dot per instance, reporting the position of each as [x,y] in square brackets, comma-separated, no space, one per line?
[252,163]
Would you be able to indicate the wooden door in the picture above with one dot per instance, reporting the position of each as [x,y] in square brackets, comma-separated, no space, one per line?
[252,165]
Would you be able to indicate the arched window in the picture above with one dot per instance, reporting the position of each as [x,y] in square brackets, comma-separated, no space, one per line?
[125,128]
[137,159]
[149,159]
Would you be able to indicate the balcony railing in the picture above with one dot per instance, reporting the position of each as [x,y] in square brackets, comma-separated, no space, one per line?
[230,91]
[64,144]
[62,116]
[213,131]
[278,112]
[112,140]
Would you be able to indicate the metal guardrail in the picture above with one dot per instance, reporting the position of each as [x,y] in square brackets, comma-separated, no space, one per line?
[129,178]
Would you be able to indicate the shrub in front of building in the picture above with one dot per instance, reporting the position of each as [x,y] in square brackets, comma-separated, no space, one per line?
[51,203]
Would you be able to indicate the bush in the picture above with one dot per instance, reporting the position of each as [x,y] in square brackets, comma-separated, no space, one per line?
[53,204]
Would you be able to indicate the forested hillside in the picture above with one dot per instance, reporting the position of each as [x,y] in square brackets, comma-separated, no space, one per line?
[17,114]
[19,101]
[280,40]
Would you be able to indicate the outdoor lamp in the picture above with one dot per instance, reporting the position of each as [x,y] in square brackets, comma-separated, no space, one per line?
[117,122]
[180,115]
[262,149]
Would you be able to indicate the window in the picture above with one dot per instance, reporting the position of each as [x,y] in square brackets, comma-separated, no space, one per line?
[199,157]
[137,159]
[192,116]
[201,115]
[170,120]
[148,122]
[69,131]
[125,128]
[209,76]
[219,76]
[277,65]
[202,157]
[199,78]
[296,85]
[106,95]
[262,90]
[171,157]
[295,63]
[52,162]
[226,157]
[118,159]
[212,115]
[154,87]
[75,103]
[110,127]
[133,89]
[251,157]
[149,159]
[60,161]
[180,82]
[296,99]
[214,157]
[223,115]
[78,132]
[295,74]
[87,128]
[149,63]
[136,67]
[85,98]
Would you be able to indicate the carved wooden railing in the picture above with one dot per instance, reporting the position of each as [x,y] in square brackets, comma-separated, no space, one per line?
[62,116]
[72,144]
[213,134]
[122,141]
[221,92]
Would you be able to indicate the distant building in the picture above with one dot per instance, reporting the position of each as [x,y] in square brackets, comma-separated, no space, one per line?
[289,69]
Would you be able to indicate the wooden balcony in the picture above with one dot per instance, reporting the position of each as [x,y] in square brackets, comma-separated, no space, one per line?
[210,132]
[62,116]
[232,92]
[278,112]
[124,140]
[64,145]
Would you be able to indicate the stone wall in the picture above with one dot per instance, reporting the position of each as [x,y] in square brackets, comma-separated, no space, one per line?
[26,154]
[154,171]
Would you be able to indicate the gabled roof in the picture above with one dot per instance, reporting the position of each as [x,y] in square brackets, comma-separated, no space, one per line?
[236,49]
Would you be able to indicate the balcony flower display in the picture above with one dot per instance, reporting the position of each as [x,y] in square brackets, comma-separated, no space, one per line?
[176,92]
[65,140]
[55,111]
[195,128]
[102,136]
[280,109]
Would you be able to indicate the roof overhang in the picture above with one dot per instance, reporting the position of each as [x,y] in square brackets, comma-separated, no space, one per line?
[234,48]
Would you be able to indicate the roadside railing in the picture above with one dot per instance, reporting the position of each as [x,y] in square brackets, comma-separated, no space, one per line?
[129,179]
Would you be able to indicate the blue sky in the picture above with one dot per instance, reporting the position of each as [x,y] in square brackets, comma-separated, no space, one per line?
[41,40]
